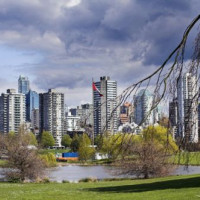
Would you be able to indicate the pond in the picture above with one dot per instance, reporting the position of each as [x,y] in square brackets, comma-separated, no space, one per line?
[74,173]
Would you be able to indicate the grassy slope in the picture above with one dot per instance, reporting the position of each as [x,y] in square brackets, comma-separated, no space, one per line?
[191,158]
[182,187]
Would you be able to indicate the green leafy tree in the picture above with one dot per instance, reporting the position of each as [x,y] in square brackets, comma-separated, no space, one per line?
[32,138]
[111,145]
[98,141]
[75,143]
[49,159]
[47,139]
[66,141]
[85,150]
[160,136]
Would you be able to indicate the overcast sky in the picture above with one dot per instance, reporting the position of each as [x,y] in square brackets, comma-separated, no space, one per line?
[65,43]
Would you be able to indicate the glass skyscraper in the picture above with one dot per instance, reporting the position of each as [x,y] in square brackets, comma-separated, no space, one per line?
[23,85]
[143,102]
[32,102]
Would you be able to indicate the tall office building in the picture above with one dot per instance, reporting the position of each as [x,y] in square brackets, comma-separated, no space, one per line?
[104,102]
[23,85]
[142,104]
[32,102]
[12,111]
[51,110]
[187,96]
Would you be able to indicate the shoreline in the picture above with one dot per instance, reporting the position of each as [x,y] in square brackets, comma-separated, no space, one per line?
[84,164]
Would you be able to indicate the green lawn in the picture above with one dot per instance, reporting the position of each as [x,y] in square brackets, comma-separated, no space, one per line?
[46,151]
[191,158]
[170,188]
[3,163]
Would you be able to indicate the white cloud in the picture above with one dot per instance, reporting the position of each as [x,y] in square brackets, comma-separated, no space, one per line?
[72,3]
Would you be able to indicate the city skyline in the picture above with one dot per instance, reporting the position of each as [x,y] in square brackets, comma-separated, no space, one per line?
[64,50]
[96,95]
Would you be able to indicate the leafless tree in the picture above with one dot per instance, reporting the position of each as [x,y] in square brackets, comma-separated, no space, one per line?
[23,161]
[145,159]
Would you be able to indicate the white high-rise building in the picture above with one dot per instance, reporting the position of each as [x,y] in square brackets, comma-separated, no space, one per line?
[105,112]
[12,111]
[187,96]
[142,104]
[52,114]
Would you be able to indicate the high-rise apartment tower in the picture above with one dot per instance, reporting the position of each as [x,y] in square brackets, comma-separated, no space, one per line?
[105,110]
[52,114]
[12,111]
[187,97]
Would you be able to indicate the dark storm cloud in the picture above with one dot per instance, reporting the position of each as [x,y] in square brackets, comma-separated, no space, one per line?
[159,24]
[120,38]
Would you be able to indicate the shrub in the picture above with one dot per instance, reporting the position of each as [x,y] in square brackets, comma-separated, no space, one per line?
[65,181]
[49,159]
[24,163]
[89,179]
